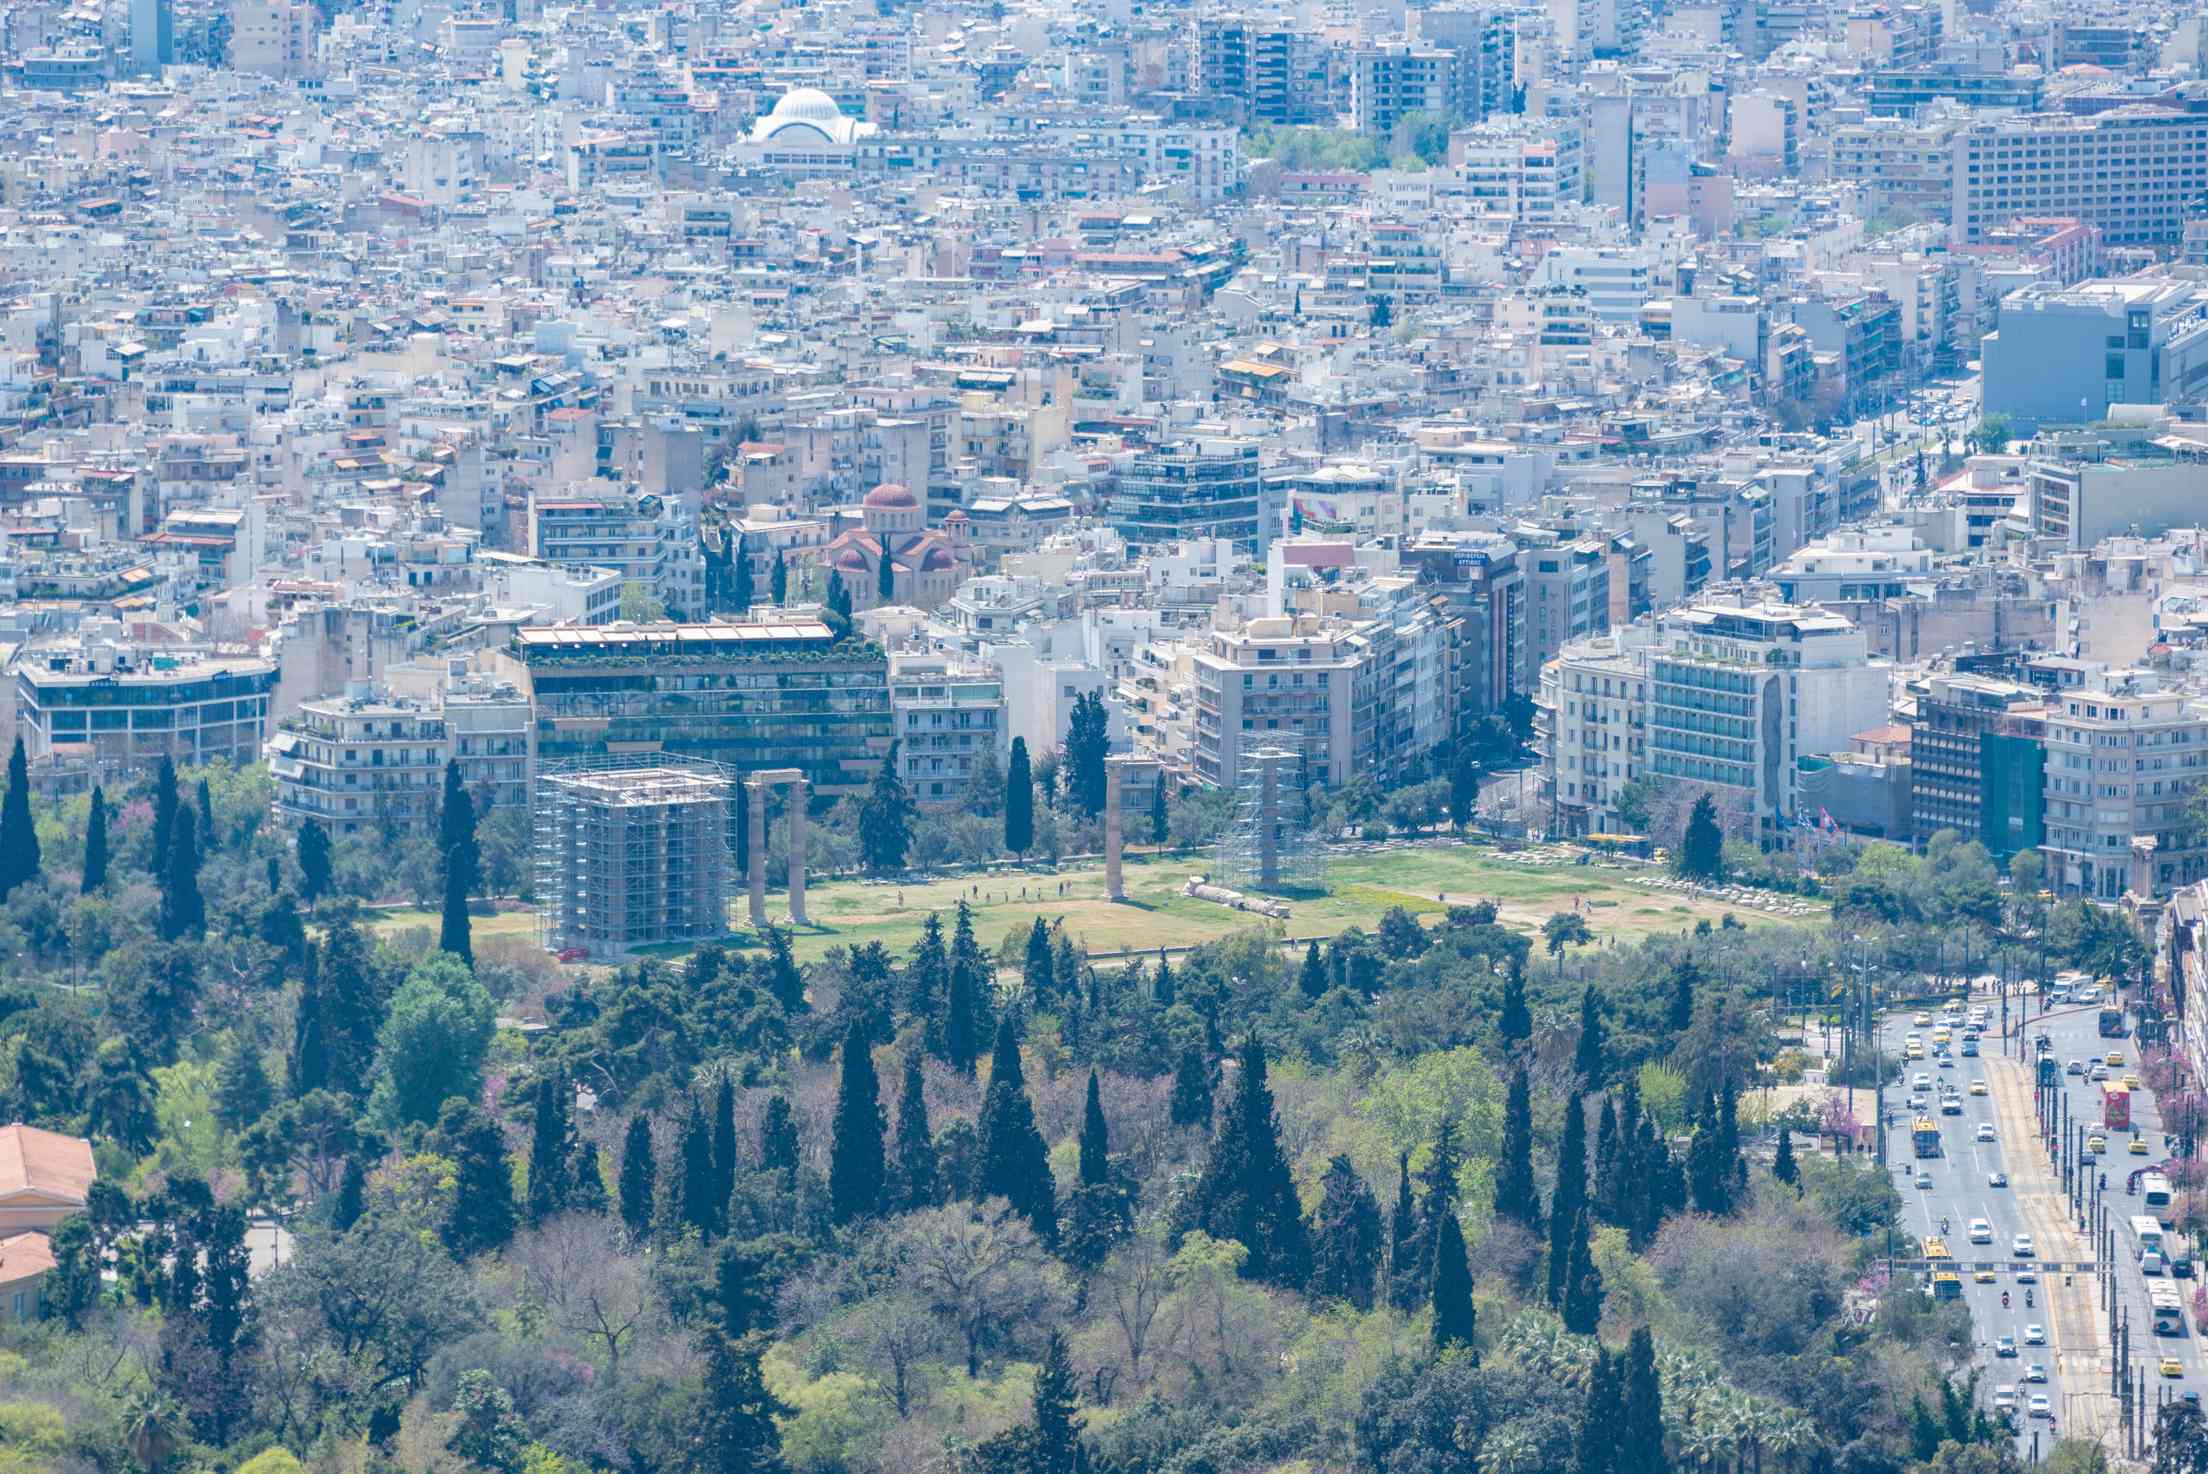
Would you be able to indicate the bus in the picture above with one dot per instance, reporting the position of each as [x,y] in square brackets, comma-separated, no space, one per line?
[2116,1106]
[2148,1231]
[2112,1023]
[1947,1285]
[1936,1248]
[2154,1189]
[2169,1309]
[1924,1136]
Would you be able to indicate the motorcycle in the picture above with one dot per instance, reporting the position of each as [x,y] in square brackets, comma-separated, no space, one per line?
[2004,1299]
[2027,1299]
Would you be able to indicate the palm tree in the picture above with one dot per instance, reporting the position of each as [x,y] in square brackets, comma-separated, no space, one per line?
[1790,1436]
[1510,1449]
[150,1432]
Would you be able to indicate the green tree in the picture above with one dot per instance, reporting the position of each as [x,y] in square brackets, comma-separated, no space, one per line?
[1598,1447]
[697,1204]
[1313,979]
[639,1177]
[1038,965]
[1158,823]
[1013,1160]
[457,847]
[551,1145]
[885,577]
[1246,1191]
[724,1137]
[916,1183]
[1453,1322]
[433,1042]
[1019,802]
[1088,742]
[778,579]
[487,1433]
[119,1100]
[1345,1237]
[1588,1056]
[639,605]
[1702,850]
[778,1143]
[1464,786]
[204,813]
[243,1092]
[1191,1100]
[1583,1293]
[1783,1165]
[1516,1197]
[966,1008]
[1992,434]
[1569,1196]
[744,591]
[985,782]
[858,1166]
[1685,979]
[1514,1022]
[1564,929]
[1057,1445]
[484,1214]
[315,861]
[18,834]
[183,912]
[456,933]
[95,844]
[1641,1424]
[885,819]
[165,808]
[1096,1138]
[736,1432]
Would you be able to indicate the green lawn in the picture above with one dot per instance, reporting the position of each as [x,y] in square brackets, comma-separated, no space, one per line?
[1363,886]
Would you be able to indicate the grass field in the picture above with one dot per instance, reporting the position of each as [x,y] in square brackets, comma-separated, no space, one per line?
[1364,885]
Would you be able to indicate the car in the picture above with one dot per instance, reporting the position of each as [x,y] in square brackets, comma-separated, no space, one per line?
[2095,1145]
[1985,1131]
[2026,1275]
[2075,1067]
[2004,1346]
[2115,1060]
[1997,1179]
[1922,1020]
[2036,1372]
[2041,1407]
[2035,1336]
[1924,1178]
[2097,1074]
[2172,1367]
[1944,1060]
[1970,1048]
[1951,1105]
[2004,1399]
[1981,1232]
[1982,1275]
[2086,995]
[2021,1246]
[572,954]
[2150,1261]
[1977,1087]
[2131,1081]
[2138,1147]
[1921,1081]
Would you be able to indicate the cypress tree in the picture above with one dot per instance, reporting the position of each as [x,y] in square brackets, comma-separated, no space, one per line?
[1191,1102]
[1516,1197]
[314,862]
[1162,992]
[857,1164]
[962,1022]
[1096,1139]
[1587,1060]
[639,1176]
[724,1138]
[209,840]
[1569,1197]
[1610,1165]
[1345,1237]
[1158,828]
[778,1145]
[885,818]
[1582,1308]
[456,842]
[183,913]
[1641,1422]
[351,1199]
[164,819]
[916,1184]
[1012,1160]
[1685,976]
[456,934]
[95,844]
[743,832]
[483,1214]
[588,1194]
[737,1432]
[551,1146]
[1313,980]
[744,591]
[928,982]
[1055,1447]
[1019,801]
[695,1202]
[353,1000]
[1403,1285]
[1246,1191]
[784,981]
[885,578]
[778,581]
[1599,1442]
[308,1068]
[1452,1297]
[1038,967]
[1516,1021]
[1783,1166]
[242,1089]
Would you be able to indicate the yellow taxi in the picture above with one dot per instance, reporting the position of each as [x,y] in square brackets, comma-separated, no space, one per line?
[1983,1276]
[1922,1020]
[1941,1036]
[2131,1082]
[2096,1144]
[2171,1367]
[2115,1059]
[1977,1087]
[1916,1051]
[2137,1148]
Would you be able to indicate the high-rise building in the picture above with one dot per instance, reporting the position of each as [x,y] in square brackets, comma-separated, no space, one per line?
[2065,354]
[1207,487]
[152,34]
[1972,735]
[1395,79]
[2136,171]
[2123,757]
[272,37]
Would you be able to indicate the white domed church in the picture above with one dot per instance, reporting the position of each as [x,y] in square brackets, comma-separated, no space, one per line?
[807,133]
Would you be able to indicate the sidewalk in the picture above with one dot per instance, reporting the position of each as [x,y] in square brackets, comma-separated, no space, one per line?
[2075,1321]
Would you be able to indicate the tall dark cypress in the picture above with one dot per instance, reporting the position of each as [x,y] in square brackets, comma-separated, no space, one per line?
[308,1067]
[1191,1102]
[1570,1195]
[778,1143]
[1038,967]
[1345,1237]
[1641,1422]
[1313,979]
[165,806]
[352,1193]
[18,834]
[1515,1024]
[314,861]
[1516,1197]
[928,982]
[917,1183]
[1588,1058]
[95,844]
[1582,1307]
[1055,1447]
[551,1146]
[967,1010]
[456,933]
[1600,1435]
[483,1212]
[1610,1165]
[1019,800]
[1246,1191]
[639,1176]
[858,1165]
[209,839]
[1453,1325]
[1403,1284]
[1783,1165]
[1013,1160]
[724,1137]
[695,1202]
[1096,1139]
[1685,977]
[183,912]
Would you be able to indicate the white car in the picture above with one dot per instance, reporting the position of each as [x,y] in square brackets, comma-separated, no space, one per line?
[2021,1247]
[1922,1081]
[1998,1179]
[2041,1407]
[1985,1131]
[1981,1232]
[2035,1336]
[1924,1178]
[2036,1372]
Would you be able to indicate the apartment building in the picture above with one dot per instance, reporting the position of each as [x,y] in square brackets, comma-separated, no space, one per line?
[780,694]
[1394,79]
[1976,763]
[274,38]
[1902,166]
[1293,682]
[2123,756]
[1591,728]
[944,715]
[361,763]
[644,539]
[2065,354]
[1523,169]
[2134,172]
[122,711]
[1277,72]
[1200,488]
[2082,488]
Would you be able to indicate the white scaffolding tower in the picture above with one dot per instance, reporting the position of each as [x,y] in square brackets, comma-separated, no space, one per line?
[1268,845]
[632,851]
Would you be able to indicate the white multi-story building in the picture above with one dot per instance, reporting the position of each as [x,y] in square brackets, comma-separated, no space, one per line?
[944,714]
[2134,171]
[2123,755]
[362,763]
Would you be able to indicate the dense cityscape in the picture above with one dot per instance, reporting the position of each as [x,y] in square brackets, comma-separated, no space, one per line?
[850,738]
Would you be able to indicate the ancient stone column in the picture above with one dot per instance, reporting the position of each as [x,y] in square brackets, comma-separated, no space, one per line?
[1115,828]
[1268,822]
[756,877]
[794,799]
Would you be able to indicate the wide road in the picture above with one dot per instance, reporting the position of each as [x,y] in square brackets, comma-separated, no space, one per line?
[1997,1104]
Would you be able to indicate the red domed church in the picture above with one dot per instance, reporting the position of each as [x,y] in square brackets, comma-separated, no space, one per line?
[926,565]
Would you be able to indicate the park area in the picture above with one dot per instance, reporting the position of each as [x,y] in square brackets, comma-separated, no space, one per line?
[1364,883]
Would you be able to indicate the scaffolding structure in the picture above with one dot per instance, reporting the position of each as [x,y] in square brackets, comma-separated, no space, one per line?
[632,850]
[1268,845]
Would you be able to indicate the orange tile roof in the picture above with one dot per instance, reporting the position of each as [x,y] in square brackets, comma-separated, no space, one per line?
[25,1256]
[45,1162]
